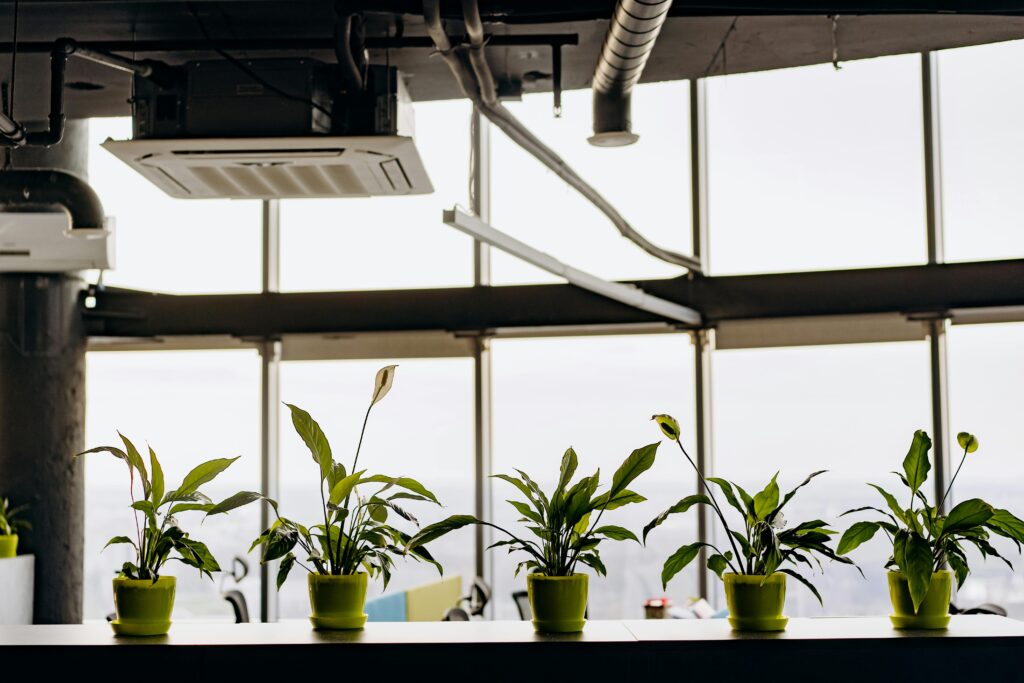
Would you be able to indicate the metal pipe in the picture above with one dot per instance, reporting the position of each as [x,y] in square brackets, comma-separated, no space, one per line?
[632,32]
[458,60]
[43,188]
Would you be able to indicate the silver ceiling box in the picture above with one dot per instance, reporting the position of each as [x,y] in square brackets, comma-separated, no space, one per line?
[272,168]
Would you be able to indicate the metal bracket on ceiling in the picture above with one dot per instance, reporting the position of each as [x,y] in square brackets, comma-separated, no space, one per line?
[623,293]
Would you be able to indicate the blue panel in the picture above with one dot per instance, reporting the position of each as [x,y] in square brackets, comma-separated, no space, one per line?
[387,608]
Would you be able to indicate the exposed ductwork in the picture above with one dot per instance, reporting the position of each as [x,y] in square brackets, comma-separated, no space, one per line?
[469,66]
[633,29]
[45,188]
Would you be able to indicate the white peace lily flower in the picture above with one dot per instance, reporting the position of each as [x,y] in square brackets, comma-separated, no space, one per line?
[382,383]
[779,522]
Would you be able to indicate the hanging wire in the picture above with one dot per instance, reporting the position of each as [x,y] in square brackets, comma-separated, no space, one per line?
[835,41]
[721,50]
[14,58]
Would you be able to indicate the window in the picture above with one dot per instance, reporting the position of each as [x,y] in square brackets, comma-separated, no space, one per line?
[422,429]
[810,168]
[851,410]
[180,246]
[982,145]
[597,395]
[388,242]
[648,182]
[190,406]
[986,373]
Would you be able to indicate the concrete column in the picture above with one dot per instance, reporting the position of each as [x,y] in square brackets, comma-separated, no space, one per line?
[42,408]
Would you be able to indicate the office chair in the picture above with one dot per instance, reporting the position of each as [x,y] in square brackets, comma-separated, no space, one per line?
[987,608]
[456,614]
[235,597]
[522,600]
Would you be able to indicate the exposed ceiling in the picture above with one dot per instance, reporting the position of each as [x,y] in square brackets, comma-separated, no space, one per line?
[765,36]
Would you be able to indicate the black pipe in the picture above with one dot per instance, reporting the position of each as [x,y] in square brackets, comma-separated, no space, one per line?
[42,188]
[58,67]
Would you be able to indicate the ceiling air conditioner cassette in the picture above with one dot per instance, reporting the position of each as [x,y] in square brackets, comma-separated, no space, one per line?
[45,243]
[278,168]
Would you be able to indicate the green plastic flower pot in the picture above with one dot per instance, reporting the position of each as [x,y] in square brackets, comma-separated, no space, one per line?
[559,603]
[8,545]
[755,602]
[933,613]
[143,607]
[337,601]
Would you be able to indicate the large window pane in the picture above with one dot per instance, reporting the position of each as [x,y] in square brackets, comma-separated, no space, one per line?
[597,395]
[810,168]
[982,151]
[986,373]
[182,246]
[422,429]
[648,182]
[190,406]
[388,242]
[851,410]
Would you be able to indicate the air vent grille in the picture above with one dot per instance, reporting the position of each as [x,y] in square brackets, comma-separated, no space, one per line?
[278,168]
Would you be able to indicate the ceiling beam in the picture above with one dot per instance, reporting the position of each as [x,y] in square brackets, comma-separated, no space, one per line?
[922,290]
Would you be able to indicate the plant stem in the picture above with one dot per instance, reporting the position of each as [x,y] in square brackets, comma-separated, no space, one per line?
[950,487]
[355,461]
[714,502]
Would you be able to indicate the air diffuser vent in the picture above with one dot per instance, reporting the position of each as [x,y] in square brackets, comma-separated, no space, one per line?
[278,168]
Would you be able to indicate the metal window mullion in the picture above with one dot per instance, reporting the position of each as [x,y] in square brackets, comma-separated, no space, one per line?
[480,205]
[937,328]
[270,356]
[703,340]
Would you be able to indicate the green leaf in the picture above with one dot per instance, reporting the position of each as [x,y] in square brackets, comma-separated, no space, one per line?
[136,461]
[203,474]
[890,500]
[617,533]
[730,496]
[344,487]
[620,499]
[959,565]
[405,483]
[568,468]
[858,533]
[767,500]
[287,562]
[439,529]
[186,507]
[523,488]
[278,543]
[1011,526]
[967,515]
[917,566]
[916,464]
[678,561]
[526,511]
[158,478]
[967,441]
[314,438]
[593,560]
[638,462]
[147,507]
[235,501]
[119,539]
[681,506]
[719,563]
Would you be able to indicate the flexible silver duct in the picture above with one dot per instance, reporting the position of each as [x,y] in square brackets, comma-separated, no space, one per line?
[633,29]
[469,66]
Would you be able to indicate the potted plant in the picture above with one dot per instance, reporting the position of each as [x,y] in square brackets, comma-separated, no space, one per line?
[10,525]
[567,524]
[143,595]
[753,567]
[355,538]
[924,540]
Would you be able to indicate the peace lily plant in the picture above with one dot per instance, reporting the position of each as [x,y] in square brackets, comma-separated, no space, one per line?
[355,538]
[924,540]
[143,595]
[753,567]
[568,530]
[10,524]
